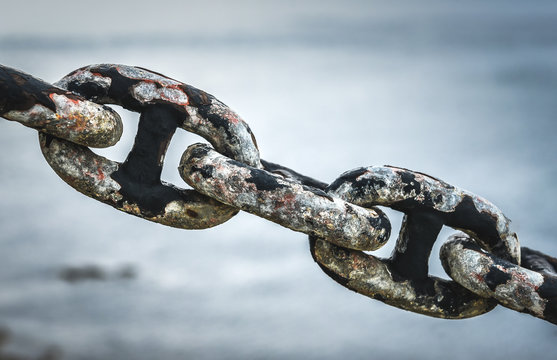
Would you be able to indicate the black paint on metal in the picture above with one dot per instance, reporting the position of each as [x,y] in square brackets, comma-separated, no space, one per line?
[360,184]
[139,175]
[537,261]
[431,296]
[202,101]
[410,182]
[263,181]
[321,193]
[548,291]
[20,91]
[547,266]
[418,234]
[141,186]
[293,175]
[495,277]
[465,215]
[119,91]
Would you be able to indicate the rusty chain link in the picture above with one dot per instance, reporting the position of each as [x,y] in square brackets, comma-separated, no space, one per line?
[340,219]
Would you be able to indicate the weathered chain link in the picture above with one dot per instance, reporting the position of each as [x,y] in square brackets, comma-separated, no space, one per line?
[286,202]
[531,288]
[428,204]
[135,186]
[42,106]
[340,219]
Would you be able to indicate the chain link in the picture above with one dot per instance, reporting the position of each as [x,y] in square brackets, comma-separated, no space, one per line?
[516,287]
[285,202]
[428,204]
[42,106]
[341,219]
[135,186]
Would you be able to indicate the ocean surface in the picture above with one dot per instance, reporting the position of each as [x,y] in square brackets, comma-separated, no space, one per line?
[467,94]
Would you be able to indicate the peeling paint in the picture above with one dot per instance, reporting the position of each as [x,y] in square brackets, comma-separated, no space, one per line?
[147,92]
[515,287]
[136,88]
[164,104]
[80,168]
[42,106]
[428,204]
[405,190]
[340,218]
[373,277]
[282,200]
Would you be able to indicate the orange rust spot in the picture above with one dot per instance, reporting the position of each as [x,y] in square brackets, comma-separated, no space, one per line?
[80,122]
[100,174]
[357,262]
[232,117]
[75,101]
[131,208]
[287,200]
[524,279]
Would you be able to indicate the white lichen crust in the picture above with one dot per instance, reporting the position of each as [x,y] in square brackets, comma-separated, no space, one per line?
[402,281]
[511,285]
[203,114]
[92,175]
[283,201]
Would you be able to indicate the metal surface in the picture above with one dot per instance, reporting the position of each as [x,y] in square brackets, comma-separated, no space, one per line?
[137,89]
[94,176]
[516,287]
[428,204]
[340,218]
[288,203]
[165,104]
[42,106]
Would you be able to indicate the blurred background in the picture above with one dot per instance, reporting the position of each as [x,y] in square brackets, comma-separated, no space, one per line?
[464,91]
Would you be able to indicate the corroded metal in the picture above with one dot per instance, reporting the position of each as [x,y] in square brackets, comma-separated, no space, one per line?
[375,278]
[293,175]
[284,201]
[136,88]
[513,286]
[339,217]
[428,204]
[410,192]
[164,104]
[538,261]
[93,175]
[42,106]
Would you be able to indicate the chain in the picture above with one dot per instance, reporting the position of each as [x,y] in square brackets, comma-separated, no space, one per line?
[340,218]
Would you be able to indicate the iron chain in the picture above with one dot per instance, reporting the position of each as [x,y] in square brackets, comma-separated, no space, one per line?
[341,219]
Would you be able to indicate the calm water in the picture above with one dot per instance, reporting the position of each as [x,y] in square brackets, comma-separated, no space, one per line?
[468,96]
